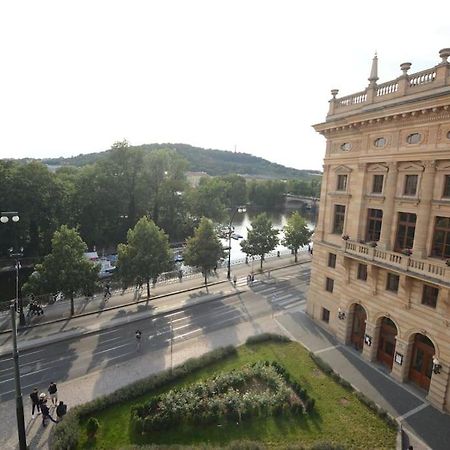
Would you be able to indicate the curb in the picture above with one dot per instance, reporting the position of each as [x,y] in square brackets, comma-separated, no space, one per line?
[67,335]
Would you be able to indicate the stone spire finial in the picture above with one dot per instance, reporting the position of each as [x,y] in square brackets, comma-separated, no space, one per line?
[374,71]
[444,54]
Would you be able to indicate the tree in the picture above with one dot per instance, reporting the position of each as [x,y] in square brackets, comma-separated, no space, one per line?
[145,256]
[204,249]
[296,233]
[65,269]
[262,238]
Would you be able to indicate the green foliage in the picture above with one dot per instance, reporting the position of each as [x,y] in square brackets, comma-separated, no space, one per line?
[227,395]
[145,256]
[267,194]
[65,269]
[265,337]
[92,426]
[262,238]
[65,435]
[204,249]
[296,233]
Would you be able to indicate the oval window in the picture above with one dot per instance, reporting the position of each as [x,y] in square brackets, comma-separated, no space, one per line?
[346,146]
[413,138]
[448,135]
[380,142]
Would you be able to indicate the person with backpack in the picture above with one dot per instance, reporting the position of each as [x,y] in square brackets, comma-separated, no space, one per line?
[138,335]
[61,410]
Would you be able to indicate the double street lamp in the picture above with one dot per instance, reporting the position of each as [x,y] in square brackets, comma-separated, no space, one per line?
[239,209]
[5,217]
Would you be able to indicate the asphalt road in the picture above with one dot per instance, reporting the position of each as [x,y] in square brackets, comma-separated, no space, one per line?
[284,290]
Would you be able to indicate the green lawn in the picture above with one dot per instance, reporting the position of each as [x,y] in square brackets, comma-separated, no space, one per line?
[339,416]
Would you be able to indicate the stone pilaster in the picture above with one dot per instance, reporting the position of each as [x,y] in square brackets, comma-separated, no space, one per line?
[400,368]
[362,214]
[388,211]
[370,351]
[423,213]
[320,229]
[438,387]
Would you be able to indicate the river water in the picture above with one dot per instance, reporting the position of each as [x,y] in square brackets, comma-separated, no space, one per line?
[242,222]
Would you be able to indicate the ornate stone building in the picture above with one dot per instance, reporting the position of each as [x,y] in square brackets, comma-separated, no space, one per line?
[381,269]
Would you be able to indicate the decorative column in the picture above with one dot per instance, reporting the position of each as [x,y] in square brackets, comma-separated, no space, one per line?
[373,78]
[424,211]
[362,168]
[438,387]
[388,211]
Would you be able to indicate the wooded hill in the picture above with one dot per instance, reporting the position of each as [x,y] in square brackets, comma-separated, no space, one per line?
[213,162]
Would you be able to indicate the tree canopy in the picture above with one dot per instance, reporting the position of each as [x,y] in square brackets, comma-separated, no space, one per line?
[296,233]
[262,237]
[204,249]
[145,255]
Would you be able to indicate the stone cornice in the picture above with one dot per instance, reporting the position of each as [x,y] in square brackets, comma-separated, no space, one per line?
[418,116]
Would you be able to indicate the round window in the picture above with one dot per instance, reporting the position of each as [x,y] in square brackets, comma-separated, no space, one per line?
[346,146]
[413,138]
[448,134]
[380,142]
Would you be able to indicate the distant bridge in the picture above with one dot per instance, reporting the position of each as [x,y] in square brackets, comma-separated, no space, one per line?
[296,200]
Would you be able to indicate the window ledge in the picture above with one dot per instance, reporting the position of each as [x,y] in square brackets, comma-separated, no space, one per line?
[409,200]
[342,194]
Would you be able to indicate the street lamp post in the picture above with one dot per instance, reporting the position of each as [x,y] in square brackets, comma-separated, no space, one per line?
[4,218]
[239,209]
[19,401]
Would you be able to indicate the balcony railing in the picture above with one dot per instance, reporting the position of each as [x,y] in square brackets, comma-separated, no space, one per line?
[424,267]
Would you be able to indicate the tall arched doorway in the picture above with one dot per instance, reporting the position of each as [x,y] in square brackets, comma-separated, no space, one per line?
[358,327]
[421,361]
[386,342]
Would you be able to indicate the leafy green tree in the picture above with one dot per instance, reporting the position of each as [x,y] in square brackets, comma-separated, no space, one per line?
[296,233]
[65,269]
[267,194]
[262,237]
[208,199]
[146,254]
[235,190]
[204,249]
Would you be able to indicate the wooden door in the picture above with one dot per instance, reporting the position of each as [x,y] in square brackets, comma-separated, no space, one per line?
[358,327]
[422,362]
[386,342]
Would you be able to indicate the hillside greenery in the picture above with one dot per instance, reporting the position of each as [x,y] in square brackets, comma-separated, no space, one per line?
[213,162]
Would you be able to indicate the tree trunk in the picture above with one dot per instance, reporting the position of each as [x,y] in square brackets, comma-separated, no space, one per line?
[295,253]
[148,288]
[206,278]
[262,259]
[72,307]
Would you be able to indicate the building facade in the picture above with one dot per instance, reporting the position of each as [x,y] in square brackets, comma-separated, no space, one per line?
[380,277]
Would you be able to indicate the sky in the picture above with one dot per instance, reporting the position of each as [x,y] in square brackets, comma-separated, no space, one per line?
[254,75]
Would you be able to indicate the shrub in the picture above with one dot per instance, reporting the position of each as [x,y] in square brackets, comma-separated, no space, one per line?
[264,337]
[321,363]
[92,426]
[309,405]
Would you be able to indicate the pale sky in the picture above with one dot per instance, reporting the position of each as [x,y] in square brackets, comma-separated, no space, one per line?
[76,76]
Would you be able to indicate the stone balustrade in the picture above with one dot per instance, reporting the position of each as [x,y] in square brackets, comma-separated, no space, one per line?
[404,85]
[431,269]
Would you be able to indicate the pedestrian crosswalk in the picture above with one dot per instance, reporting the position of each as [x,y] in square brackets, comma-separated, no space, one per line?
[284,292]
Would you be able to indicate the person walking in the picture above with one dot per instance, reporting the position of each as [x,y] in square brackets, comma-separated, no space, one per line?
[53,391]
[61,410]
[234,280]
[46,414]
[35,402]
[138,335]
[107,294]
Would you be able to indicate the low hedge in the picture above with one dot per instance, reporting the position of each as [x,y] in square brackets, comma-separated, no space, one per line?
[264,337]
[382,413]
[65,435]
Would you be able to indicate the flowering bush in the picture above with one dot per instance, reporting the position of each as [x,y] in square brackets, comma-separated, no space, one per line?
[262,388]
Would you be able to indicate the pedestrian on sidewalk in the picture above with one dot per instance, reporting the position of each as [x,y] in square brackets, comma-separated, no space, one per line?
[107,294]
[46,414]
[53,391]
[180,275]
[249,278]
[138,335]
[234,280]
[35,401]
[61,410]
